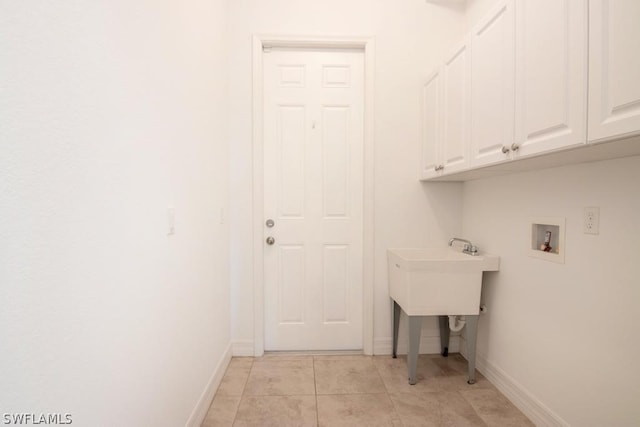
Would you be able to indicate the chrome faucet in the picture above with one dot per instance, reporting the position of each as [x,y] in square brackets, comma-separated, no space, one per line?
[468,248]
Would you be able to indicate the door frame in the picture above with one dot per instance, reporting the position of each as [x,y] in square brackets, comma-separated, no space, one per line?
[366,44]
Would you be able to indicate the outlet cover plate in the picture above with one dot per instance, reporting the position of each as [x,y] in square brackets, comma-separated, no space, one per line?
[591,221]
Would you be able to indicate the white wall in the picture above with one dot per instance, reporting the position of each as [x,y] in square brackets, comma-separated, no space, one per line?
[111,111]
[409,37]
[565,333]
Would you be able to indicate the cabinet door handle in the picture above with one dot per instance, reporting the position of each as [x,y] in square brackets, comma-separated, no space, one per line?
[515,147]
[505,149]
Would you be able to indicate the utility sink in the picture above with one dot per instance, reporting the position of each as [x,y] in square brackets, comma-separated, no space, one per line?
[437,281]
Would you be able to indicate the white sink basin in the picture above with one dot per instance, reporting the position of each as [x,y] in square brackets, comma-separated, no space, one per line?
[437,281]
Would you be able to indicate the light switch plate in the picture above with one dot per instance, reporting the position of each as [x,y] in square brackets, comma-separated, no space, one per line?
[171,221]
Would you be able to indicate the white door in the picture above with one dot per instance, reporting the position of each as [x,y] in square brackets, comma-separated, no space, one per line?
[313,193]
[614,69]
[492,86]
[551,75]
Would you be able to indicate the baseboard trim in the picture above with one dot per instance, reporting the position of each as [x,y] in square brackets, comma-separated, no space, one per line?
[201,408]
[428,345]
[242,348]
[535,410]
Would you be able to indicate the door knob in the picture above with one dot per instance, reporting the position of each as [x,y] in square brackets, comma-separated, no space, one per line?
[270,240]
[270,223]
[505,149]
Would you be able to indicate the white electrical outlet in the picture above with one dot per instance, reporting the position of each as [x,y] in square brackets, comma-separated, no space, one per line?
[591,223]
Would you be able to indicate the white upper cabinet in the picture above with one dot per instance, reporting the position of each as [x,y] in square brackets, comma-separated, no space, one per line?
[492,86]
[445,116]
[535,77]
[430,164]
[455,108]
[614,69]
[551,75]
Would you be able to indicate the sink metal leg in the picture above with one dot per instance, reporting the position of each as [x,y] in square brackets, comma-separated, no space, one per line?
[472,332]
[415,326]
[444,335]
[396,326]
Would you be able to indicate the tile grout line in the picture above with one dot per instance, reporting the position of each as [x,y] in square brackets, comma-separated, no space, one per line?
[315,391]
[393,403]
[384,383]
[244,387]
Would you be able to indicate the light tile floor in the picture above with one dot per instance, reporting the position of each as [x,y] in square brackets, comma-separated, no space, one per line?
[278,390]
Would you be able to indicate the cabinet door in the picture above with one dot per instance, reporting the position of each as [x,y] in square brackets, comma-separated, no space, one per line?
[492,86]
[614,69]
[455,140]
[551,75]
[431,126]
